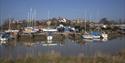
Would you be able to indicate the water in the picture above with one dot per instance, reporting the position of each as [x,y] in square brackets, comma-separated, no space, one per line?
[67,48]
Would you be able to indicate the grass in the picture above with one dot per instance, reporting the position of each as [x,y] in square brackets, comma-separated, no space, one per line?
[55,57]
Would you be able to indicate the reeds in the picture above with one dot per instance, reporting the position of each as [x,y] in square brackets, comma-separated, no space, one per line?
[55,57]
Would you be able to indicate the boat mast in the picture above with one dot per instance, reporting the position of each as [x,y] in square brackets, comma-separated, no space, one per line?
[48,14]
[98,20]
[28,19]
[48,23]
[85,21]
[9,24]
[34,18]
[31,17]
[1,24]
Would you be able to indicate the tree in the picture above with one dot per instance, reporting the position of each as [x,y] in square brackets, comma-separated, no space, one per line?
[104,21]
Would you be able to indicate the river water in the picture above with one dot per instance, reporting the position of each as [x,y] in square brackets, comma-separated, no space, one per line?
[67,47]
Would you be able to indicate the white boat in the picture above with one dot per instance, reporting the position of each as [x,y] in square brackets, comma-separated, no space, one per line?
[49,38]
[5,36]
[91,36]
[87,36]
[2,38]
[96,35]
[104,35]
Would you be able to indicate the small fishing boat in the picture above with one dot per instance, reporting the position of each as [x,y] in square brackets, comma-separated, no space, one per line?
[2,37]
[5,36]
[95,35]
[87,36]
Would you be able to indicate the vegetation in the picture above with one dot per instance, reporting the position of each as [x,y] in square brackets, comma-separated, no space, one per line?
[55,57]
[18,24]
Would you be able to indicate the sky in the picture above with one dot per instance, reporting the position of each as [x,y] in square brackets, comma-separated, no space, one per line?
[71,9]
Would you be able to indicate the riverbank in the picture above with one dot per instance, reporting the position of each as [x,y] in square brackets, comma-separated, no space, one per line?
[54,57]
[59,36]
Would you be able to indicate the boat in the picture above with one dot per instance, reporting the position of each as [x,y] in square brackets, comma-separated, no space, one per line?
[2,37]
[87,36]
[5,36]
[49,37]
[49,33]
[104,35]
[96,35]
[92,35]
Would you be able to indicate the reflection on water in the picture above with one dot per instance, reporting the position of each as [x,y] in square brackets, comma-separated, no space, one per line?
[14,49]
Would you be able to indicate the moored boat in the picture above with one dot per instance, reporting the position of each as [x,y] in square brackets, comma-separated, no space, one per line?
[104,35]
[87,36]
[5,36]
[95,35]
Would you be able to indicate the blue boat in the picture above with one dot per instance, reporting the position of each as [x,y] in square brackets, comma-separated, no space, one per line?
[96,35]
[92,35]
